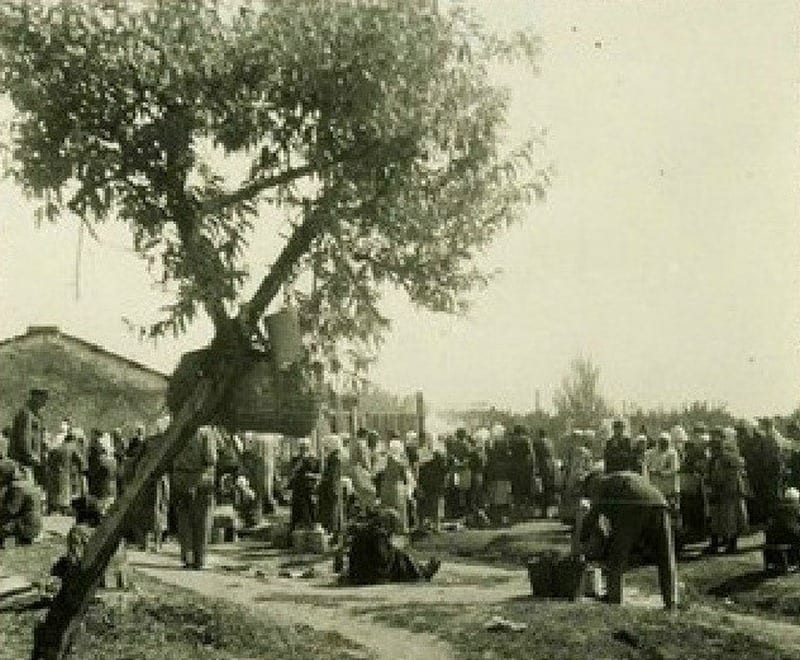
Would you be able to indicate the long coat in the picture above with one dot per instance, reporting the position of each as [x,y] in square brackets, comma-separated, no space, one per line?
[726,476]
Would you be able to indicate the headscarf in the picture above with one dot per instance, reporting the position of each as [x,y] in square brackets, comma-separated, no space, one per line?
[396,450]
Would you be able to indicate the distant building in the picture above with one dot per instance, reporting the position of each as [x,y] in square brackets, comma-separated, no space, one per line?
[93,386]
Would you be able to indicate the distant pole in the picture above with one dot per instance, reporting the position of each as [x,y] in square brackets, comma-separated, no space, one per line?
[538,400]
[420,416]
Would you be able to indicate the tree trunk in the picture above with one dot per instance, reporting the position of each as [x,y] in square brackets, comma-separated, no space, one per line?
[54,636]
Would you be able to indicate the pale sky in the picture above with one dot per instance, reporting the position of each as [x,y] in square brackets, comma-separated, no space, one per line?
[667,250]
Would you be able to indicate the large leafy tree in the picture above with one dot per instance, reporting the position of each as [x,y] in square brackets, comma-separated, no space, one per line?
[369,134]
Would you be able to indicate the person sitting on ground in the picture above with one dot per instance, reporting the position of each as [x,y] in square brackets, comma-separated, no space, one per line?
[20,509]
[373,559]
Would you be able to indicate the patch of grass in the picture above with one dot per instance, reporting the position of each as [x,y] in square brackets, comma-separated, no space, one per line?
[159,621]
[501,547]
[570,631]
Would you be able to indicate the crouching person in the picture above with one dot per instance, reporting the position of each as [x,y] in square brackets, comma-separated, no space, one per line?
[627,514]
[20,509]
[372,557]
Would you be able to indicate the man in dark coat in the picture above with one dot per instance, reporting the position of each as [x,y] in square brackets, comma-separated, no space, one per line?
[627,513]
[545,471]
[522,463]
[304,482]
[431,488]
[102,473]
[330,495]
[620,453]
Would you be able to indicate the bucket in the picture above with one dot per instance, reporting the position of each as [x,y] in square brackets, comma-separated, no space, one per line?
[553,575]
[540,575]
[285,337]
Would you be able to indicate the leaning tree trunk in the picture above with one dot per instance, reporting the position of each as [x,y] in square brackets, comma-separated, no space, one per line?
[54,636]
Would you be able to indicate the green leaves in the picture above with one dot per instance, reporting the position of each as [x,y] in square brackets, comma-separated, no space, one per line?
[380,122]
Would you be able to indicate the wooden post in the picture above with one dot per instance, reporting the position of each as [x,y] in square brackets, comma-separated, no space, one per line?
[420,417]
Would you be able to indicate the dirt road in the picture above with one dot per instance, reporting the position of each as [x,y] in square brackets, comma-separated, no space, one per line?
[248,574]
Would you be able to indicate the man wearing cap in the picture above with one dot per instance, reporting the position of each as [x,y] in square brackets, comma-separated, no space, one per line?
[27,434]
[193,480]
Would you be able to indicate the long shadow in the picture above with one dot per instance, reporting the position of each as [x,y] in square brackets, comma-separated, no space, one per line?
[740,583]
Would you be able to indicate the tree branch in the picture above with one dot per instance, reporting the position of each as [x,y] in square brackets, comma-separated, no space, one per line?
[253,188]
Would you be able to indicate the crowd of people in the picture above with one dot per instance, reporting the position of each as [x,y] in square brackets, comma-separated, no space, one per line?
[364,490]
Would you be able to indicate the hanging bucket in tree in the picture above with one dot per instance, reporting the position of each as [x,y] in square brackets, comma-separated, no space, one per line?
[285,338]
[264,398]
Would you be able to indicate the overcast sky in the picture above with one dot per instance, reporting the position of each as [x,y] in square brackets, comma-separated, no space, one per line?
[667,250]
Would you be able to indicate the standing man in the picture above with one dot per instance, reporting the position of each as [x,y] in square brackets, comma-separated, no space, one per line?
[27,435]
[194,473]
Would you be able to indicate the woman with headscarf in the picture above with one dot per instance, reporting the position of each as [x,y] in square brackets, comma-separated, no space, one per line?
[726,479]
[396,484]
[331,511]
[663,468]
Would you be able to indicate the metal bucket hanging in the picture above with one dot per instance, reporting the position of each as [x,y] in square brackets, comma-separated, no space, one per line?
[285,337]
[264,398]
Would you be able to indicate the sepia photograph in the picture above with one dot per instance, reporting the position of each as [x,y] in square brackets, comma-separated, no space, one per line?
[399,329]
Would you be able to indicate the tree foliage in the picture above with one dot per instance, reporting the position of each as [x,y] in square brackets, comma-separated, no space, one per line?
[579,398]
[375,127]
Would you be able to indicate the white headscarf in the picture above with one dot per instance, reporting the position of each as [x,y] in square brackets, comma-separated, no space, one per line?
[396,450]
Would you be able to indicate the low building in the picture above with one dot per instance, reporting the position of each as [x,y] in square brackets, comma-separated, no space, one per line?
[93,386]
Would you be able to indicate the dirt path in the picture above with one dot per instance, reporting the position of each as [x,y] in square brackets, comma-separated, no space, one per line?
[320,603]
[780,634]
